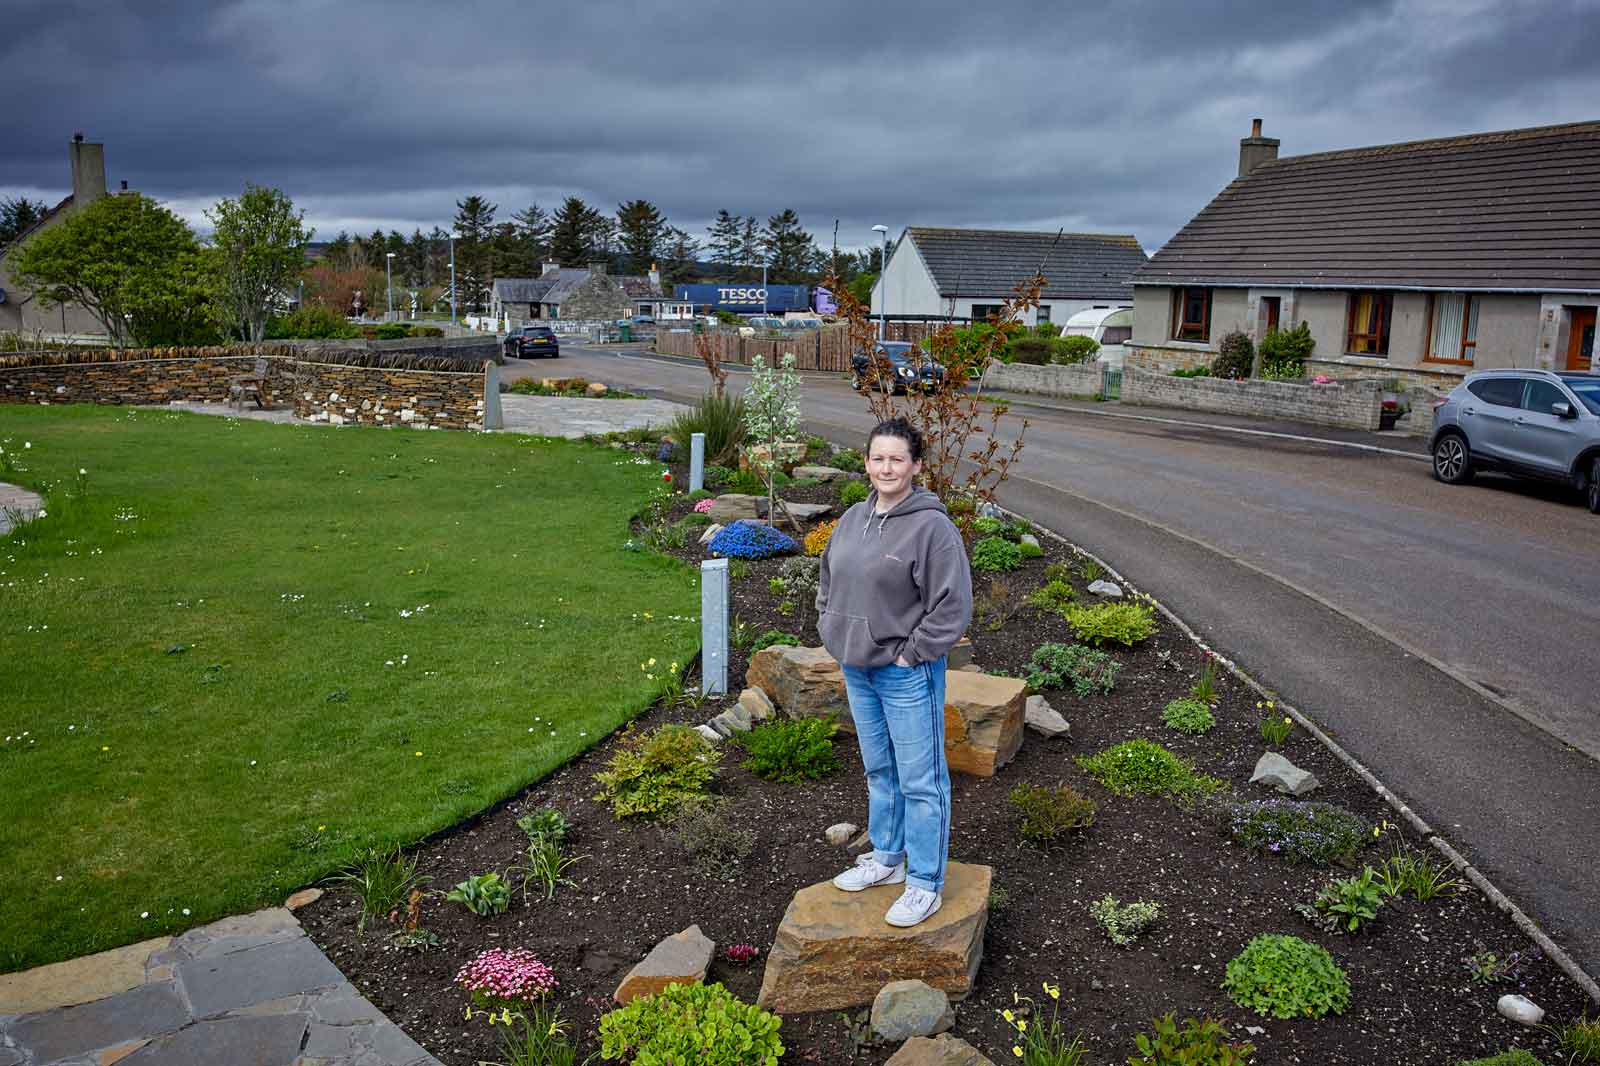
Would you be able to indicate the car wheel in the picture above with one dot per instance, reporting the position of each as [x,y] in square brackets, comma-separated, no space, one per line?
[1452,459]
[1594,487]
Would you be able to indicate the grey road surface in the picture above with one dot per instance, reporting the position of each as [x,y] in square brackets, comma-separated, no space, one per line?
[1335,577]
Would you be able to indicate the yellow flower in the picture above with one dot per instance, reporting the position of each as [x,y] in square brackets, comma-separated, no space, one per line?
[1017,1051]
[1008,1016]
[419,754]
[1269,704]
[1022,1025]
[1053,991]
[320,828]
[652,661]
[1258,705]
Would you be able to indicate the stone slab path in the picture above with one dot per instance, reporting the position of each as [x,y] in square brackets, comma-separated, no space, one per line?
[16,500]
[561,416]
[252,989]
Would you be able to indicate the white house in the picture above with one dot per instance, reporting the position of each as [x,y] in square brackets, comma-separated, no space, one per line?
[968,273]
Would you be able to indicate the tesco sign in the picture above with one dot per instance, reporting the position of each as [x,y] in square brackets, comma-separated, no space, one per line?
[741,296]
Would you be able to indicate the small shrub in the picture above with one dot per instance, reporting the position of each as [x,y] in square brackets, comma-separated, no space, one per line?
[383,880]
[695,1023]
[482,894]
[501,979]
[1236,357]
[1198,1043]
[1513,1057]
[1286,977]
[1140,767]
[716,477]
[657,772]
[988,525]
[995,555]
[311,322]
[1189,716]
[747,482]
[791,750]
[694,520]
[720,418]
[1581,1040]
[849,460]
[1300,832]
[853,492]
[1284,352]
[1030,550]
[1049,813]
[1056,594]
[1123,623]
[1075,349]
[1029,350]
[774,637]
[546,823]
[717,843]
[816,541]
[393,331]
[1351,902]
[1123,922]
[1086,671]
[751,540]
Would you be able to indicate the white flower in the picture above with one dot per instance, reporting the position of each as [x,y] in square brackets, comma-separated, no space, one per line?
[186,910]
[144,914]
[82,471]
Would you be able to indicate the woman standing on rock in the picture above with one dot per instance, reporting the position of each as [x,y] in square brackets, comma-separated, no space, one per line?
[894,595]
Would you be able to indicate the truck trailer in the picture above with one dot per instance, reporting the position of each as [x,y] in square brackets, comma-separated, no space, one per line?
[745,299]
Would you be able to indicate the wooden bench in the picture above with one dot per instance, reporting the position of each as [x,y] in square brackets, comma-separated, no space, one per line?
[254,383]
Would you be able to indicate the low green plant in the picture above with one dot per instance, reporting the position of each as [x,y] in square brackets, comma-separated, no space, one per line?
[1511,1057]
[1047,814]
[1030,550]
[773,638]
[1352,902]
[383,879]
[853,492]
[694,520]
[1075,349]
[1301,832]
[1061,572]
[1275,729]
[995,555]
[699,494]
[989,525]
[546,823]
[738,569]
[547,867]
[717,844]
[1580,1040]
[1055,594]
[1039,1042]
[1087,671]
[716,476]
[482,894]
[1120,623]
[775,585]
[1286,977]
[1201,371]
[999,898]
[850,460]
[720,418]
[536,1036]
[654,773]
[1204,688]
[747,482]
[791,749]
[1421,875]
[691,1023]
[1488,967]
[1197,1043]
[1142,767]
[1090,570]
[1123,922]
[741,634]
[667,536]
[1189,716]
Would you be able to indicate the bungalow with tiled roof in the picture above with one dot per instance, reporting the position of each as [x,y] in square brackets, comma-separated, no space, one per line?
[590,293]
[966,274]
[1421,261]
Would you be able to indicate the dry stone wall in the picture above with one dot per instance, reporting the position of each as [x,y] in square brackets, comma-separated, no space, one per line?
[1080,379]
[1355,404]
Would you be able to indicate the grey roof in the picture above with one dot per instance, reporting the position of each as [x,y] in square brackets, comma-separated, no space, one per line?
[555,286]
[1512,211]
[986,262]
[522,290]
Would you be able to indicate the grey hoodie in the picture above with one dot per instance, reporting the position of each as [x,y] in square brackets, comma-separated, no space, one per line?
[894,585]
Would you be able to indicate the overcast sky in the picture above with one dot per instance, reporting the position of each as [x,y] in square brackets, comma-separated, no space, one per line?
[1122,117]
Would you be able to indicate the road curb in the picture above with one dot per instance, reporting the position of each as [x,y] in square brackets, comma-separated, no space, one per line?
[1551,950]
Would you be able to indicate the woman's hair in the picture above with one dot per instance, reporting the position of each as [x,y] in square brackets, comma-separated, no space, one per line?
[899,427]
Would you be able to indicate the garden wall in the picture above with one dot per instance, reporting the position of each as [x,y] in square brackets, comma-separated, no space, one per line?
[323,383]
[1355,404]
[1079,380]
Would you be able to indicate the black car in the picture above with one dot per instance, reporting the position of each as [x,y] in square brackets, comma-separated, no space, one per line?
[531,341]
[909,368]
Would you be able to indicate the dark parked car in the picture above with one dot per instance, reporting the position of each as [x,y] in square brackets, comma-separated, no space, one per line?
[909,369]
[1532,423]
[530,341]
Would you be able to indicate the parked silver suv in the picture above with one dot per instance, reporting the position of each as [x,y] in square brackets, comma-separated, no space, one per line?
[1531,423]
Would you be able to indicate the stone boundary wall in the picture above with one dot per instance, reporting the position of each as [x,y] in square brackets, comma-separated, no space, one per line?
[1354,404]
[1076,380]
[313,382]
[1164,360]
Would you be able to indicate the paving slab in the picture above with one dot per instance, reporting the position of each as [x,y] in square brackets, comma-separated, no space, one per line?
[260,1041]
[65,984]
[67,1032]
[16,500]
[239,979]
[560,416]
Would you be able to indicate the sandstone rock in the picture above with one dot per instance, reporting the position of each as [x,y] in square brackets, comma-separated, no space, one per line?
[710,531]
[756,704]
[1106,588]
[804,682]
[904,1009]
[736,720]
[942,1050]
[960,656]
[820,473]
[303,898]
[802,512]
[730,507]
[1043,718]
[681,958]
[834,951]
[1520,1009]
[596,389]
[1273,769]
[839,832]
[862,840]
[983,717]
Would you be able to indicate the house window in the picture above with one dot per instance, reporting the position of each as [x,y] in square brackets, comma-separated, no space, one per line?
[1043,313]
[1367,331]
[1452,328]
[1191,315]
[984,312]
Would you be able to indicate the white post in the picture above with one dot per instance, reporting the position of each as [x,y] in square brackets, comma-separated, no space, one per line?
[714,627]
[697,461]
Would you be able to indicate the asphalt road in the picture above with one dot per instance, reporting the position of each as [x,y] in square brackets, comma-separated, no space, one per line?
[1445,636]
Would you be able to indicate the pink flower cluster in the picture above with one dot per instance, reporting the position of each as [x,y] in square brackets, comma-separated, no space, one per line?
[741,953]
[500,975]
[703,506]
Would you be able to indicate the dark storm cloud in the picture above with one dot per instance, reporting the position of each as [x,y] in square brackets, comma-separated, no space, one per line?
[1117,116]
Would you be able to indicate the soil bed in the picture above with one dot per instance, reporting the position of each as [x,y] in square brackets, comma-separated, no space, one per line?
[1412,998]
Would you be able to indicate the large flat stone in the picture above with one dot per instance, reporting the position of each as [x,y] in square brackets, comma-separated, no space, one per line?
[1278,772]
[244,978]
[64,984]
[239,932]
[802,682]
[681,959]
[820,473]
[942,1050]
[983,720]
[68,1032]
[270,1040]
[731,507]
[834,951]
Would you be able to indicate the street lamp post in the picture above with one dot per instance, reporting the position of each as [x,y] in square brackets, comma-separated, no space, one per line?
[452,277]
[763,288]
[388,270]
[883,282]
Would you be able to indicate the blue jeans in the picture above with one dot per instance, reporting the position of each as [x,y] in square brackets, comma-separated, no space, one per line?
[899,716]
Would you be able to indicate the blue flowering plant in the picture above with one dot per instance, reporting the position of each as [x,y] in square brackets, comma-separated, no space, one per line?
[751,540]
[1318,833]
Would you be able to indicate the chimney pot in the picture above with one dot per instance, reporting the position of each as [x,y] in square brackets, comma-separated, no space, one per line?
[1255,149]
[1255,127]
[78,137]
[124,184]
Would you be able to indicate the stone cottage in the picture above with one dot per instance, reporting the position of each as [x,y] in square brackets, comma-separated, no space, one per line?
[591,293]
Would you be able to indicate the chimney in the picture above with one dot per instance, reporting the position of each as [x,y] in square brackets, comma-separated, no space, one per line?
[549,268]
[88,171]
[124,184]
[655,278]
[597,267]
[1256,149]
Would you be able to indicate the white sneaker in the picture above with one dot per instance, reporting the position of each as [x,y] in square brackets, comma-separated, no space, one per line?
[868,872]
[914,906]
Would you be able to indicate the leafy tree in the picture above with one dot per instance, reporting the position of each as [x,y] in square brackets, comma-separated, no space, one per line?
[576,232]
[790,252]
[17,213]
[131,263]
[724,244]
[861,285]
[260,243]
[642,230]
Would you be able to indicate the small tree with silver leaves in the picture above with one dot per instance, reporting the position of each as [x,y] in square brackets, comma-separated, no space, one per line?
[772,415]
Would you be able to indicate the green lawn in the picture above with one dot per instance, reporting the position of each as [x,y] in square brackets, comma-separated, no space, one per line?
[240,652]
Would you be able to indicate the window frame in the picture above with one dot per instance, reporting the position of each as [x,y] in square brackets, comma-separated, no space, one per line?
[988,311]
[1041,314]
[1385,329]
[1182,325]
[1466,317]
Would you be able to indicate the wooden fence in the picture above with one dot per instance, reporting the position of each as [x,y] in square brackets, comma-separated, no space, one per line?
[827,348]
